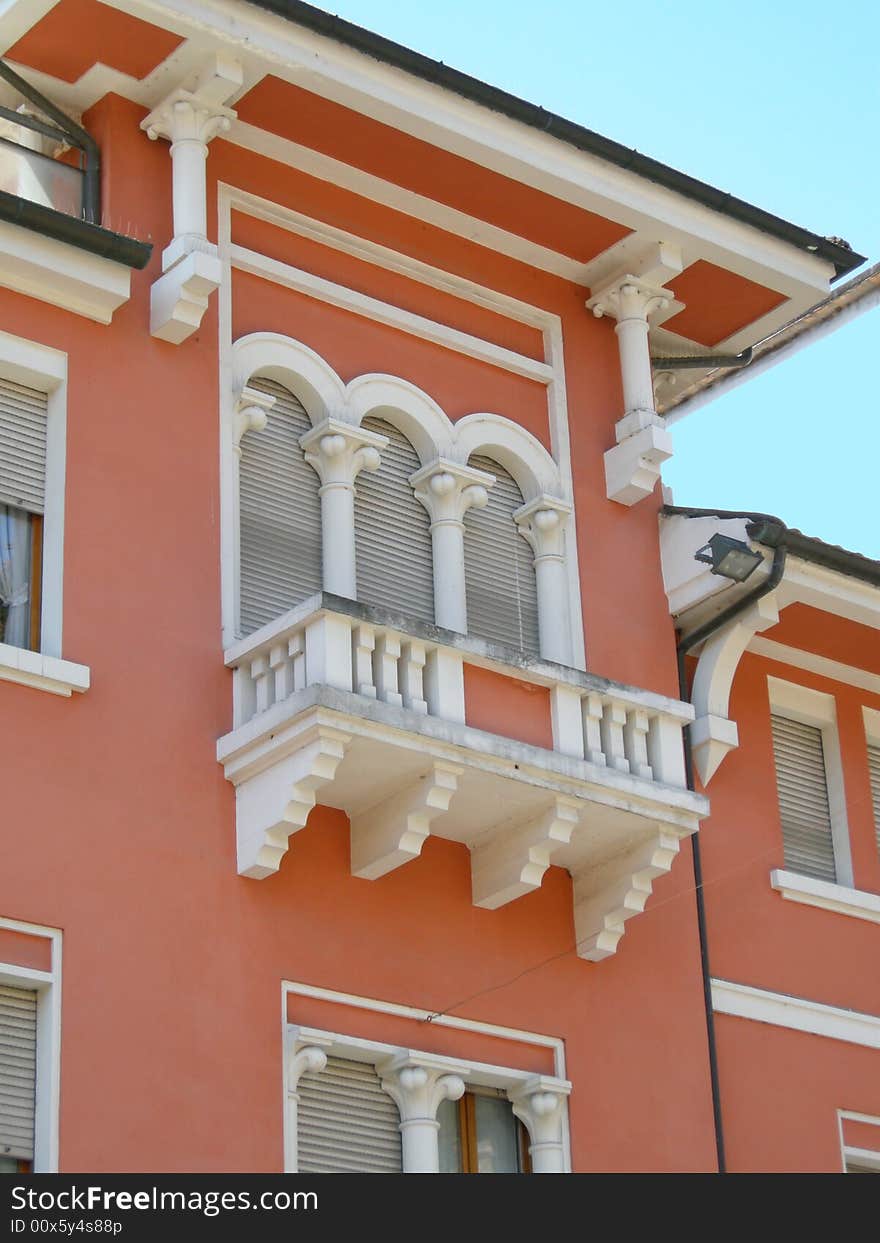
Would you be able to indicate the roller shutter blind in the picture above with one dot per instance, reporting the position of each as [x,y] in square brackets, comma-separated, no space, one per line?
[802,786]
[874,769]
[280,514]
[22,446]
[346,1123]
[18,1061]
[502,594]
[395,568]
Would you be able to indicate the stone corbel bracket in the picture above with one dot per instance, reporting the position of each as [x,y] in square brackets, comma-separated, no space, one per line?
[713,734]
[191,268]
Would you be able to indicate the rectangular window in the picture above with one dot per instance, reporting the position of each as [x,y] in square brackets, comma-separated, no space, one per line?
[802,786]
[23,435]
[874,771]
[347,1123]
[480,1134]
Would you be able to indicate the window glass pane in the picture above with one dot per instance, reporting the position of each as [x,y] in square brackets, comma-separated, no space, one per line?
[497,1136]
[15,576]
[450,1137]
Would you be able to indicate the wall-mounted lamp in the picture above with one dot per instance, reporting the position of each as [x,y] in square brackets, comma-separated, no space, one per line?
[731,558]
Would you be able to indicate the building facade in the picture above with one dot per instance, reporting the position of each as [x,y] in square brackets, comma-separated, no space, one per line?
[384,778]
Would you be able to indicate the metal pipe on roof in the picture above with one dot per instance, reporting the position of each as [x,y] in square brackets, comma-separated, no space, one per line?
[683,362]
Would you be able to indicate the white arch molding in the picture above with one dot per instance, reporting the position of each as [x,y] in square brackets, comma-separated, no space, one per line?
[338,448]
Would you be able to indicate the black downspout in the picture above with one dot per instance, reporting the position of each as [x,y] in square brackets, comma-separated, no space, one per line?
[683,646]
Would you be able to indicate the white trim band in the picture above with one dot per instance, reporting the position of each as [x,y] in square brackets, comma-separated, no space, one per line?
[742,1001]
[838,898]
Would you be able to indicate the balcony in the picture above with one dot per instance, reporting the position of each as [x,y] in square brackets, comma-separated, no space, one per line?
[355,708]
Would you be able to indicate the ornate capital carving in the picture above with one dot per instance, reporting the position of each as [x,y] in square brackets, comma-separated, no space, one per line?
[542,523]
[628,297]
[302,1059]
[418,1084]
[447,490]
[251,414]
[339,451]
[540,1105]
[185,116]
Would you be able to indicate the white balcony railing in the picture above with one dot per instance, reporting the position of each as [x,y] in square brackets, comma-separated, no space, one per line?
[356,708]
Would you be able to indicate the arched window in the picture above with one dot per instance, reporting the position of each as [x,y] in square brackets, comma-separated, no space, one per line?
[393,531]
[502,597]
[280,514]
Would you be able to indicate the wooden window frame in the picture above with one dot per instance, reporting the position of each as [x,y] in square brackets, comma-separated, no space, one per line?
[467,1131]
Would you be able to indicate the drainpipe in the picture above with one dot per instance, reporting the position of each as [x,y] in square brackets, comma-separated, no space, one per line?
[684,645]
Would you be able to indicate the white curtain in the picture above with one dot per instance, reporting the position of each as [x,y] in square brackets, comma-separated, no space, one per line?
[15,565]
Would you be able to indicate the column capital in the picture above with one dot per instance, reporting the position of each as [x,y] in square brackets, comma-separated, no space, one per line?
[629,297]
[447,490]
[542,523]
[305,1055]
[188,116]
[539,1103]
[251,414]
[338,451]
[419,1083]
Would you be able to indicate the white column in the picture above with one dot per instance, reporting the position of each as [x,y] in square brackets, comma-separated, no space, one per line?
[418,1085]
[542,522]
[632,467]
[540,1105]
[338,451]
[447,491]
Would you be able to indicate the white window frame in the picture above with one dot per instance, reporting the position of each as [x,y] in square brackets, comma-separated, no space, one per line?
[475,1074]
[44,368]
[869,1158]
[816,708]
[48,1071]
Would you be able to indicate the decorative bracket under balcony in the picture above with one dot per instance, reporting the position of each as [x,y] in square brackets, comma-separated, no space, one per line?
[358,709]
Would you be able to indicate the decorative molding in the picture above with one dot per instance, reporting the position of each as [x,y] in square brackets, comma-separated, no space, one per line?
[540,1104]
[394,831]
[43,673]
[811,662]
[513,861]
[632,467]
[62,274]
[607,896]
[744,1001]
[251,414]
[276,803]
[838,898]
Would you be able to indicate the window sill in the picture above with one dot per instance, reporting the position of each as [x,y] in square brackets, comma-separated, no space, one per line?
[837,898]
[65,261]
[43,673]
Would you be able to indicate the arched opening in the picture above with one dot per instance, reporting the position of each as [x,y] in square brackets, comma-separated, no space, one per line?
[279,514]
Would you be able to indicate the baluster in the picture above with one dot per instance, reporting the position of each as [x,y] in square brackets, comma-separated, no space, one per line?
[264,685]
[296,650]
[282,670]
[592,709]
[613,721]
[385,674]
[412,665]
[363,645]
[244,702]
[635,739]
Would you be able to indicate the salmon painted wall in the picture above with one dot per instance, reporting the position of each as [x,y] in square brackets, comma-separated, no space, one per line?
[123,822]
[757,937]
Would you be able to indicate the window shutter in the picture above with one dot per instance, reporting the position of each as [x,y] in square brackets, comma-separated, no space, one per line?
[280,514]
[874,770]
[803,798]
[22,446]
[18,1059]
[346,1123]
[395,568]
[502,594]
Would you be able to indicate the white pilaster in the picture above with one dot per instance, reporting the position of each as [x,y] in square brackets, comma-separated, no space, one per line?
[540,1105]
[338,451]
[447,491]
[418,1084]
[542,523]
[632,467]
[190,264]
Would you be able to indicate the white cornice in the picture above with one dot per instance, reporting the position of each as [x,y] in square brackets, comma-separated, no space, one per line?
[61,273]
[811,663]
[796,1013]
[837,898]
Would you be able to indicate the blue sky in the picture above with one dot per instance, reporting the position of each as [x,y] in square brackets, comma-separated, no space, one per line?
[779,104]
